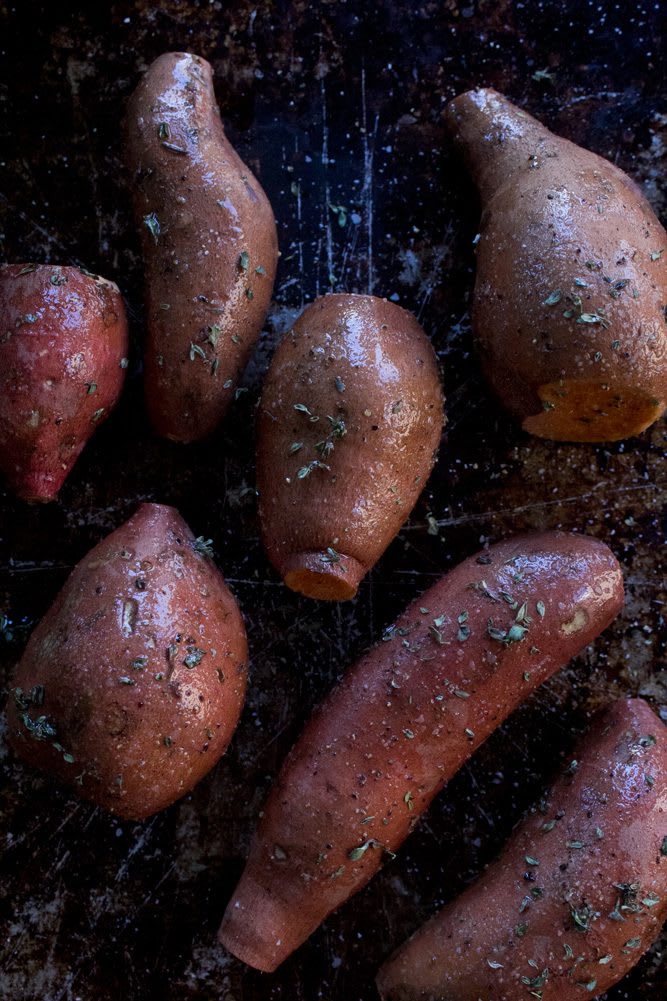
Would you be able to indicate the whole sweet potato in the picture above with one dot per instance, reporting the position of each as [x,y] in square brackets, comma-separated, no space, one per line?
[579,893]
[404,720]
[209,243]
[131,686]
[63,342]
[349,423]
[569,307]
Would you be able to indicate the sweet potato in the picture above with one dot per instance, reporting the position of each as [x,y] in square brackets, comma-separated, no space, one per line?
[349,423]
[571,285]
[209,243]
[131,686]
[404,720]
[63,346]
[578,894]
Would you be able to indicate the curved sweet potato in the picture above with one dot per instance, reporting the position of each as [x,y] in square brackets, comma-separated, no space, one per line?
[63,342]
[571,284]
[131,686]
[209,243]
[349,423]
[578,894]
[404,720]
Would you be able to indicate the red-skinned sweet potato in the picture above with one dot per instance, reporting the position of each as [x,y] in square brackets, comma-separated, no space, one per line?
[209,243]
[595,852]
[131,686]
[349,423]
[63,346]
[569,307]
[404,720]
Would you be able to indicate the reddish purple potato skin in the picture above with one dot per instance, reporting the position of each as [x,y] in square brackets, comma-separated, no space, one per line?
[210,251]
[564,234]
[403,721]
[366,362]
[142,661]
[449,958]
[63,347]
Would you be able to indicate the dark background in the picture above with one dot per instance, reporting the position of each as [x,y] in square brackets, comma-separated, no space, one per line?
[331,104]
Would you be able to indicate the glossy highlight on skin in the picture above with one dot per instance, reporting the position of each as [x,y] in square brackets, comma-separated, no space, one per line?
[594,852]
[63,347]
[141,663]
[402,722]
[209,243]
[569,308]
[348,426]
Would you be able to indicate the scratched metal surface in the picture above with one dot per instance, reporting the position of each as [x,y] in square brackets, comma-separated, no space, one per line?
[336,106]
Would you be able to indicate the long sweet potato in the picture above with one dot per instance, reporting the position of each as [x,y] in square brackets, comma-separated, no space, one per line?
[578,894]
[571,287]
[209,243]
[404,720]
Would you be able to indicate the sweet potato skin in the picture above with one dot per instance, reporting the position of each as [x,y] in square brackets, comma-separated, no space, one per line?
[404,720]
[349,422]
[209,243]
[601,842]
[571,286]
[139,668]
[63,345]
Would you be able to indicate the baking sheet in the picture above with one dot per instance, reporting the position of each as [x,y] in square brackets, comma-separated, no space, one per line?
[336,106]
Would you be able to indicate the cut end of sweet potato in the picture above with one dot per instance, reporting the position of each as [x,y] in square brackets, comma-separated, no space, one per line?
[35,486]
[327,575]
[253,926]
[592,411]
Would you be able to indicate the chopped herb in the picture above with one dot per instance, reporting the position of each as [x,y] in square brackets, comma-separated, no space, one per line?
[407,799]
[656,255]
[648,741]
[605,959]
[303,409]
[92,387]
[124,362]
[520,930]
[163,131]
[249,293]
[575,844]
[632,943]
[340,385]
[553,298]
[330,556]
[469,733]
[580,283]
[463,633]
[139,663]
[126,681]
[167,741]
[360,851]
[494,965]
[590,986]
[531,861]
[196,351]
[153,225]
[409,734]
[538,981]
[57,279]
[259,270]
[649,780]
[540,609]
[203,546]
[582,916]
[194,657]
[296,446]
[98,413]
[460,694]
[244,260]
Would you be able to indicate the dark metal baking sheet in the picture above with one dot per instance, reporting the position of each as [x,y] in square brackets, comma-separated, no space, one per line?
[333,104]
